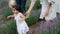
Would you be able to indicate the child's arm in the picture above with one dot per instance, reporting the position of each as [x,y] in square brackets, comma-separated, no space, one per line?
[11,16]
[22,17]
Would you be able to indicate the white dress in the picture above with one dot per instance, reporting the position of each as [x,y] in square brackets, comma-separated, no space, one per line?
[22,27]
[44,8]
[52,11]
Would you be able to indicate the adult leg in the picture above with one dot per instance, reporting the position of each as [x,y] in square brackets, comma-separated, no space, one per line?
[22,3]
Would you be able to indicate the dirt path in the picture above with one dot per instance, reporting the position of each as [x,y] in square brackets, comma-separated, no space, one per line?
[34,29]
[3,9]
[1,14]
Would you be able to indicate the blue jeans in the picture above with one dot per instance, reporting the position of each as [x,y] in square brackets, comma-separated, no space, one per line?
[22,3]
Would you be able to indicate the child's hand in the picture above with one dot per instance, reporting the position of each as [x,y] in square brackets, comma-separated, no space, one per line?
[9,17]
[27,14]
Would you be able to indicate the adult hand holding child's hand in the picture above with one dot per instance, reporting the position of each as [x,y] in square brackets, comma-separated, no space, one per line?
[27,14]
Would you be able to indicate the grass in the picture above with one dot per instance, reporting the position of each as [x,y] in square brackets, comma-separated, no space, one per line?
[36,6]
[58,25]
[7,13]
[31,20]
[1,32]
[11,27]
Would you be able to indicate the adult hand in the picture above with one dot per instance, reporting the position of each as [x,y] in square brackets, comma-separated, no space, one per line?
[30,8]
[27,14]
